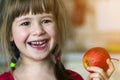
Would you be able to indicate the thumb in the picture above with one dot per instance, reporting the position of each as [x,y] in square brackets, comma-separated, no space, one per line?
[111,67]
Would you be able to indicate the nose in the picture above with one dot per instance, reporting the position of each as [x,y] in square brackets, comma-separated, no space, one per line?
[38,30]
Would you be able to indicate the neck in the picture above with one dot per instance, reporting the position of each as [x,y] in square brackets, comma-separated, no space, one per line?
[35,69]
[33,65]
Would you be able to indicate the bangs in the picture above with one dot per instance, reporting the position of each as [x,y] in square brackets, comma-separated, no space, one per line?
[23,7]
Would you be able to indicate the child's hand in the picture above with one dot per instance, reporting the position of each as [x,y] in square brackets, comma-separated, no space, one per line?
[100,74]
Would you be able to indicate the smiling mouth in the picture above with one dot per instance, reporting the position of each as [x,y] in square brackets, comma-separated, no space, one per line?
[40,43]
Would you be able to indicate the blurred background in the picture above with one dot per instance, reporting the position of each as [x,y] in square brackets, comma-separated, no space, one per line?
[95,23]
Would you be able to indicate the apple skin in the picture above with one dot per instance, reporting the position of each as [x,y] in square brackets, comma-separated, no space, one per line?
[96,56]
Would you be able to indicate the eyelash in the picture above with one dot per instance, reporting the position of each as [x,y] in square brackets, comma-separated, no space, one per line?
[25,23]
[46,21]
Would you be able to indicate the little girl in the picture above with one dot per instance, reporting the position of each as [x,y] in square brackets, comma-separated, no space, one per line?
[33,34]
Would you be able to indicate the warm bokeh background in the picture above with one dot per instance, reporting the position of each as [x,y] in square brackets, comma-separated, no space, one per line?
[94,23]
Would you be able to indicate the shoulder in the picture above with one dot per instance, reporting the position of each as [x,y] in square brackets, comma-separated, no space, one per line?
[6,76]
[75,75]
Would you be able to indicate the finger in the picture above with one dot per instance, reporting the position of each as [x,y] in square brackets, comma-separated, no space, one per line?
[98,72]
[88,78]
[96,79]
[111,67]
[96,76]
[95,69]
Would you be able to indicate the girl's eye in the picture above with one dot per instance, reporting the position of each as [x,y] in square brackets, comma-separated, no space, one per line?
[46,21]
[25,23]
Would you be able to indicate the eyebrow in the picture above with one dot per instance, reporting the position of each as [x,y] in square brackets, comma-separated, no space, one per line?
[22,19]
[48,15]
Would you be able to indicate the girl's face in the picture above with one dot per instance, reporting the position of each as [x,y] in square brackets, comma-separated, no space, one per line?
[34,35]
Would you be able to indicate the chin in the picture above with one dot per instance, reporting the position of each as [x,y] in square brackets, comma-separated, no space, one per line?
[40,58]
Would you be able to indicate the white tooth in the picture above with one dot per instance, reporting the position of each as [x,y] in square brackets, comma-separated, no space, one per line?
[33,42]
[37,42]
[40,42]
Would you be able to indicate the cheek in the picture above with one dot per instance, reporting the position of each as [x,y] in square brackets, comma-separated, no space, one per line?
[52,31]
[19,35]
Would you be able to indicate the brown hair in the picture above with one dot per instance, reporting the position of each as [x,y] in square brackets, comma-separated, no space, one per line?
[16,8]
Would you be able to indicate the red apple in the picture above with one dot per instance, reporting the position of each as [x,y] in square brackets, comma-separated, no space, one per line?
[96,56]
